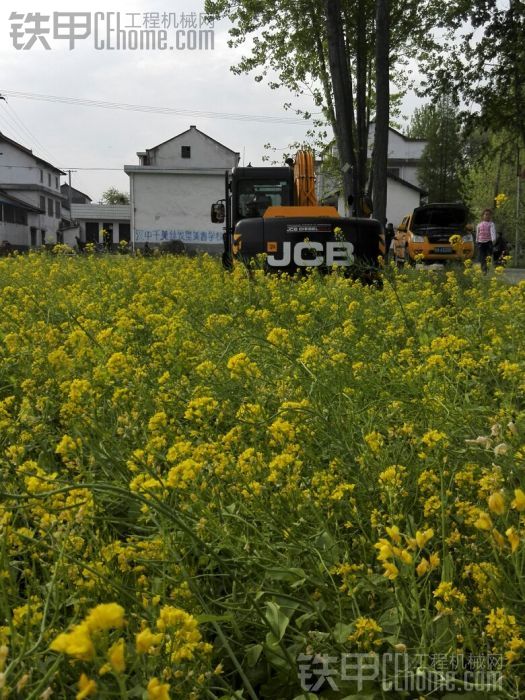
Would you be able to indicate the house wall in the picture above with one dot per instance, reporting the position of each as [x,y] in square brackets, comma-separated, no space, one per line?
[23,177]
[176,206]
[44,222]
[23,168]
[399,146]
[69,236]
[402,147]
[404,153]
[16,234]
[204,153]
[401,201]
[408,172]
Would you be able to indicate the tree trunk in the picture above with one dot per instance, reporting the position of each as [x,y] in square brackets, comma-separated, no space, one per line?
[361,93]
[382,109]
[343,96]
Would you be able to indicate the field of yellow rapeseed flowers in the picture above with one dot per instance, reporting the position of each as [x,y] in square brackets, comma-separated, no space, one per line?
[215,484]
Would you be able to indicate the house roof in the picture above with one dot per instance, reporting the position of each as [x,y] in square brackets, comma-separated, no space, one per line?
[406,138]
[101,212]
[64,188]
[6,139]
[9,199]
[406,183]
[194,128]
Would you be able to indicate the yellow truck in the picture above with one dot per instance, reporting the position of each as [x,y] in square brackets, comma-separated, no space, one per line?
[434,233]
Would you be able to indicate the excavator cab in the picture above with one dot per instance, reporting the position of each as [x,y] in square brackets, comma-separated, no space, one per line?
[253,190]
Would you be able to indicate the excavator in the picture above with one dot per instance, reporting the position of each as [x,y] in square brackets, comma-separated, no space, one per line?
[274,210]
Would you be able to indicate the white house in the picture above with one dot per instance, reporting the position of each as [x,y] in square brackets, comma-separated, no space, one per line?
[403,190]
[92,219]
[173,187]
[402,198]
[404,154]
[31,201]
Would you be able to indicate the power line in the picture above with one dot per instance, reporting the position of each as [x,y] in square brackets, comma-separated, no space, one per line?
[29,132]
[267,119]
[11,126]
[35,167]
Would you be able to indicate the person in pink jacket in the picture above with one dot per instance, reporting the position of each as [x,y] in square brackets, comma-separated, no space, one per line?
[485,237]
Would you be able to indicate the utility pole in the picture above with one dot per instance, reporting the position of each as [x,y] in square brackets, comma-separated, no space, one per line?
[69,193]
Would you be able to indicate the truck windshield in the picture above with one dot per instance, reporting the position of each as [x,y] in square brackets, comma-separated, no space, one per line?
[255,196]
[440,216]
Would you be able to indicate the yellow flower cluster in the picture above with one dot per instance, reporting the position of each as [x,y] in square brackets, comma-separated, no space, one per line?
[241,461]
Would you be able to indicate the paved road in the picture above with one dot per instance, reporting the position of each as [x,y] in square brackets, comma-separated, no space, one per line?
[514,274]
[511,274]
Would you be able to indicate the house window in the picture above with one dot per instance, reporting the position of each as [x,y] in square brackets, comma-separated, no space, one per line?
[20,216]
[124,232]
[41,175]
[91,232]
[43,204]
[50,207]
[185,151]
[57,209]
[49,179]
[56,182]
[9,214]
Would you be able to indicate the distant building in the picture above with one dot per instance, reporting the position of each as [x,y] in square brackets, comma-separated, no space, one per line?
[77,197]
[403,190]
[31,200]
[92,219]
[173,187]
[404,154]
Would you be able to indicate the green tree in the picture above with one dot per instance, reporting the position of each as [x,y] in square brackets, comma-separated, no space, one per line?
[328,50]
[441,162]
[491,181]
[482,68]
[114,196]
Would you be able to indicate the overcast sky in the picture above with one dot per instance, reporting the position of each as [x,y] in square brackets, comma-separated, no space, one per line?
[77,136]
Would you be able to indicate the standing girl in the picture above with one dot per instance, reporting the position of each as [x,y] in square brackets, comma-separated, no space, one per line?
[485,237]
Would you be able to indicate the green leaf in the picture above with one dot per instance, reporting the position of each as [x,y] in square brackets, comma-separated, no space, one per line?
[299,621]
[292,575]
[252,654]
[389,620]
[341,632]
[447,570]
[277,620]
[273,652]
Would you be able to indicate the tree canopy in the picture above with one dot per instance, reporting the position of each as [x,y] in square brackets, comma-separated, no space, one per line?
[481,65]
[298,44]
[114,196]
[442,159]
